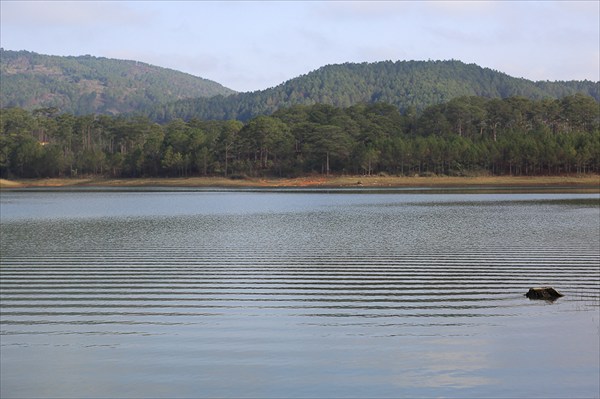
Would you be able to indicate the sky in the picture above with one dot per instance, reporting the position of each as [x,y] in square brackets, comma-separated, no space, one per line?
[254,45]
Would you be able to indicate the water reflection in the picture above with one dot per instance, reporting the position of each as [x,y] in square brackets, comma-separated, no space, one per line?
[305,295]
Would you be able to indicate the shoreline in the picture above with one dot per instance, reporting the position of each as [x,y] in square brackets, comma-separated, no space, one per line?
[591,182]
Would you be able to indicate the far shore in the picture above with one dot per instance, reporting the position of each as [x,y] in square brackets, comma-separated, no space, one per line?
[591,182]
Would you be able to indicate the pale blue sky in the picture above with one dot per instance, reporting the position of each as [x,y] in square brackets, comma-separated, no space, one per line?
[248,45]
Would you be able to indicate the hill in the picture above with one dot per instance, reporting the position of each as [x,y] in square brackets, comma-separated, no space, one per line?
[86,84]
[404,84]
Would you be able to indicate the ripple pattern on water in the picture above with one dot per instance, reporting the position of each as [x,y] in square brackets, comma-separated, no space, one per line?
[138,286]
[423,297]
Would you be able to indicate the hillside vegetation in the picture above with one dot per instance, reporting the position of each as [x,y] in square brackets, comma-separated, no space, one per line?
[464,136]
[93,85]
[391,118]
[85,84]
[407,85]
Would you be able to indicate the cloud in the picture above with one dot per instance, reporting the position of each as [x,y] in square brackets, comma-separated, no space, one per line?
[252,45]
[74,14]
[454,9]
[362,10]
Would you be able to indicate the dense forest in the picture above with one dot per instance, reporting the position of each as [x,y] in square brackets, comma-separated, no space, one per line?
[84,85]
[404,84]
[465,135]
[94,85]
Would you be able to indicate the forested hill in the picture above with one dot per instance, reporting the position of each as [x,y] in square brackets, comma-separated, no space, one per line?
[92,85]
[86,84]
[404,84]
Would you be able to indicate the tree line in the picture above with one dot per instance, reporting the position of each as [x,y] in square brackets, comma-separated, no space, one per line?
[465,135]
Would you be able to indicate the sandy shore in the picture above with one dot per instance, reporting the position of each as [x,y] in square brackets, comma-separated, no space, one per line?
[589,181]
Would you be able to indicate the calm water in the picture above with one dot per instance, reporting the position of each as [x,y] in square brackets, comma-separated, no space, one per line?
[298,294]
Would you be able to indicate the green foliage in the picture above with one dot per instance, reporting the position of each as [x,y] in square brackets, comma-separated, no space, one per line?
[85,85]
[94,85]
[465,135]
[407,85]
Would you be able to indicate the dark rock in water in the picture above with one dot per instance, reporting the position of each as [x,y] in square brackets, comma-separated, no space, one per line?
[547,293]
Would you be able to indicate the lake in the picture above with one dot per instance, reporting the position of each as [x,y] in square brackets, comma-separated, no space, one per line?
[298,293]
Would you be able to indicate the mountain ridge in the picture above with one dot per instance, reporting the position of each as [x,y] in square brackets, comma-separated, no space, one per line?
[404,84]
[89,84]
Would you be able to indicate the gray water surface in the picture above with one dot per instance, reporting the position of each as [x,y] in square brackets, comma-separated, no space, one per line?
[298,294]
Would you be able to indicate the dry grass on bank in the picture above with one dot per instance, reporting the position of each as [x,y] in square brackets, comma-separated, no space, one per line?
[9,184]
[316,181]
[450,181]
